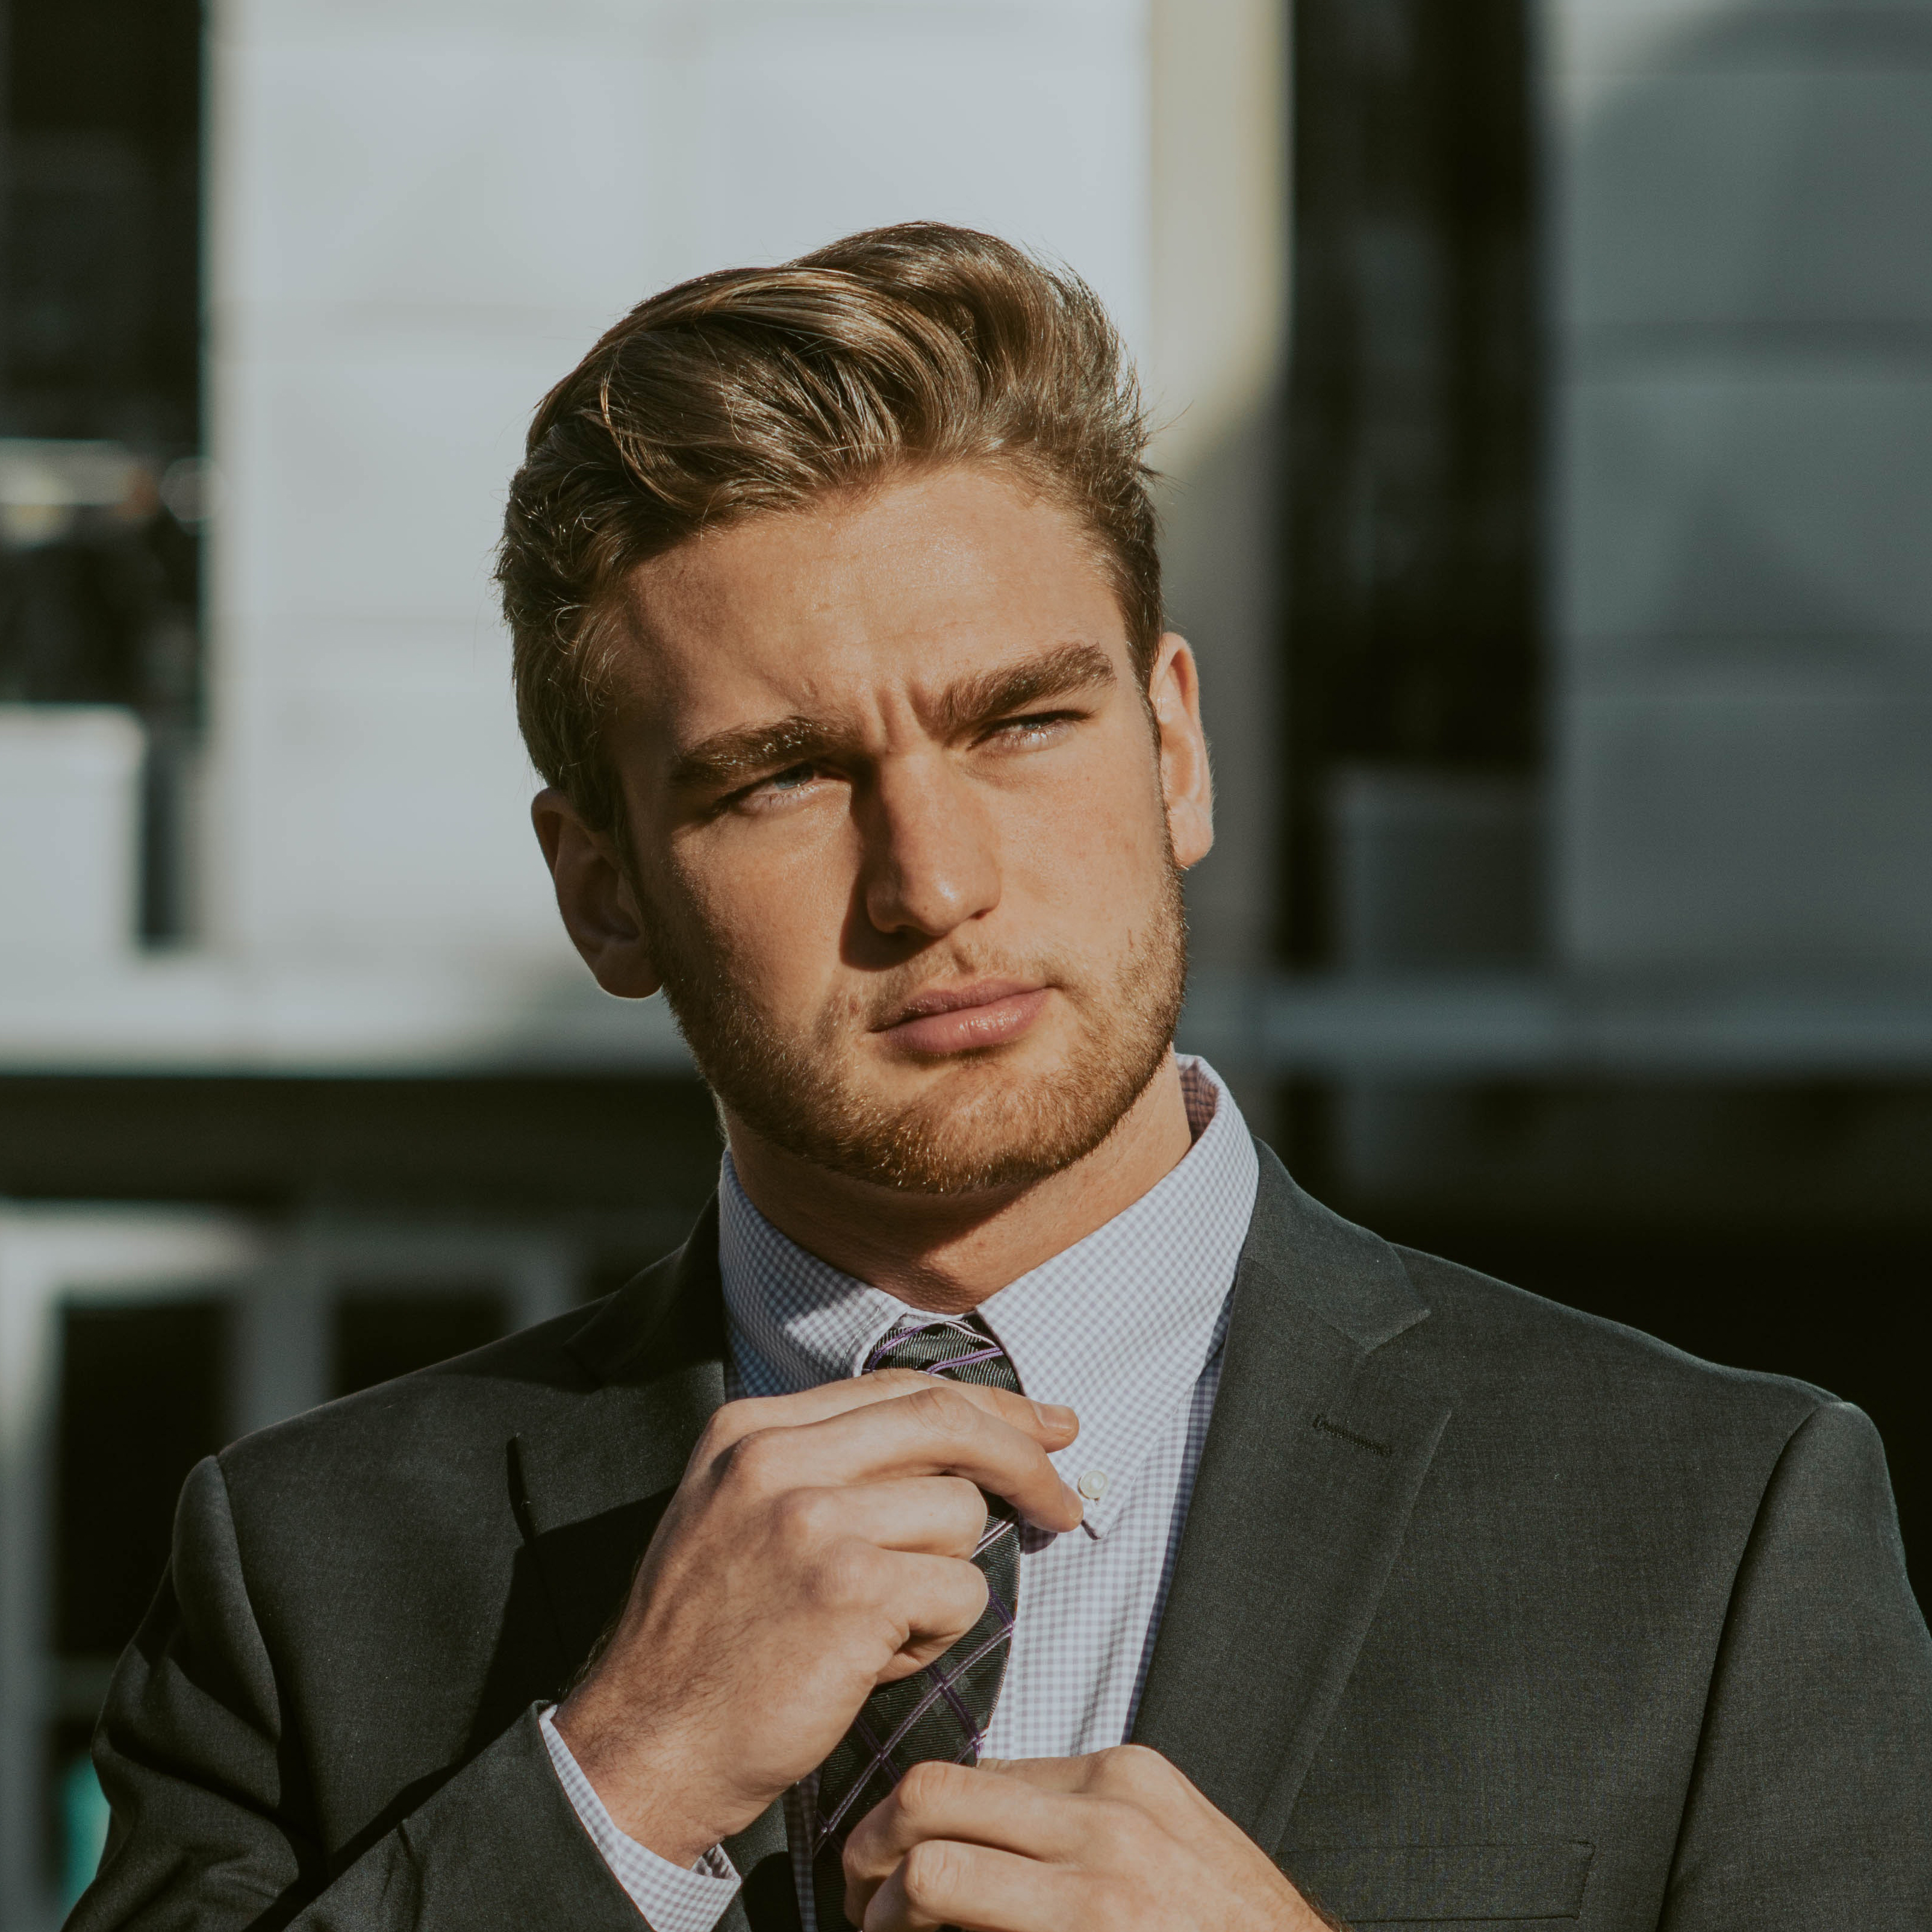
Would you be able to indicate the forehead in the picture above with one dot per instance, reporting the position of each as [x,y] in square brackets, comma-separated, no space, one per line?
[903,587]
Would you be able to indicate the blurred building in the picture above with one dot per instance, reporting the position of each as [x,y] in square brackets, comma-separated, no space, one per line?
[1607,811]
[1562,599]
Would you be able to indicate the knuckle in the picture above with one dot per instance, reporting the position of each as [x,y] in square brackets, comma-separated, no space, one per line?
[726,1426]
[932,1874]
[739,1459]
[845,1575]
[861,1861]
[940,1407]
[801,1519]
[1134,1768]
[925,1789]
[757,1460]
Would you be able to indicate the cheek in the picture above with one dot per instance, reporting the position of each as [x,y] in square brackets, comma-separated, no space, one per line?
[769,910]
[1093,836]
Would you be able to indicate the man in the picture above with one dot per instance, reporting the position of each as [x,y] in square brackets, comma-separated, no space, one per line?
[1017,1506]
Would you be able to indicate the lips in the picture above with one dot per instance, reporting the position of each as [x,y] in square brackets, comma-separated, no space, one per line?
[963,1019]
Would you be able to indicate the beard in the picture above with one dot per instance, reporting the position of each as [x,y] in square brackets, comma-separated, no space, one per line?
[981,1126]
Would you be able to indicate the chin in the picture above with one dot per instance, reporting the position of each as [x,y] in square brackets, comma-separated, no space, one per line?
[993,1123]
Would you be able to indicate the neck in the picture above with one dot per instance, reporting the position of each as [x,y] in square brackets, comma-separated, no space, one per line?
[947,1253]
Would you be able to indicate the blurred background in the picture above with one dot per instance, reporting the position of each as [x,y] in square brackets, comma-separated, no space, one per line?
[1548,395]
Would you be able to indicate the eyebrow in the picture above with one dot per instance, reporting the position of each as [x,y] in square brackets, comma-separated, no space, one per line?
[728,759]
[998,693]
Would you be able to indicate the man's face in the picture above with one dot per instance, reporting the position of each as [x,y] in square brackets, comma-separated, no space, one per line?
[903,830]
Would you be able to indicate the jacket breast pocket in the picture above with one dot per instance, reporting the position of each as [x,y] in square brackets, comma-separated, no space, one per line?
[1431,1884]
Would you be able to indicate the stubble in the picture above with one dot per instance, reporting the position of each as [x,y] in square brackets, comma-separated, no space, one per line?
[982,1125]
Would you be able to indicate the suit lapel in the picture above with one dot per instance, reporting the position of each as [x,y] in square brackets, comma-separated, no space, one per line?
[591,1485]
[595,1479]
[1321,1437]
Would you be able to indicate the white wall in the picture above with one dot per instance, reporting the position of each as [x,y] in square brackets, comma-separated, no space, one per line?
[423,212]
[1216,353]
[1743,308]
[70,802]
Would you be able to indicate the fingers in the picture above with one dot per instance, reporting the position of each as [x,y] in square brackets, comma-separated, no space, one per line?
[1115,1839]
[955,1802]
[932,1516]
[979,1889]
[1127,1774]
[1052,1424]
[938,1603]
[1099,1811]
[937,1429]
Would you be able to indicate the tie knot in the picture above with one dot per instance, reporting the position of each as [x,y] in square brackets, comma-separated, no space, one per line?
[962,1352]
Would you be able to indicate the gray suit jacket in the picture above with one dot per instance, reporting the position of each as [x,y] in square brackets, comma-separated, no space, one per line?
[1486,1612]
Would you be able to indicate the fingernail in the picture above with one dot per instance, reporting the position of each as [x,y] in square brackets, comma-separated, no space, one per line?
[1054,1414]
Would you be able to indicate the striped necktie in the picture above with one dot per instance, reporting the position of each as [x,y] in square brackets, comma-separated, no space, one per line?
[943,1711]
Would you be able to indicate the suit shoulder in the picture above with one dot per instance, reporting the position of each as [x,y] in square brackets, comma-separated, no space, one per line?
[1515,1345]
[471,1402]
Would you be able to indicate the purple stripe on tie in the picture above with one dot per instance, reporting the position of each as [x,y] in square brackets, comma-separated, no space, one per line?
[1006,1615]
[941,1687]
[879,1354]
[828,1827]
[942,1679]
[953,1362]
[900,1337]
[974,1736]
[996,1527]
[871,1737]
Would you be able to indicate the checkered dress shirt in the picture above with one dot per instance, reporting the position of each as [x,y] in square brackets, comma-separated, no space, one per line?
[1125,1326]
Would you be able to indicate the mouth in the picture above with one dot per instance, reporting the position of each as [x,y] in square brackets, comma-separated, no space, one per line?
[961,1019]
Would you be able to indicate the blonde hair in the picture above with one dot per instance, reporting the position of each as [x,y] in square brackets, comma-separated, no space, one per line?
[756,389]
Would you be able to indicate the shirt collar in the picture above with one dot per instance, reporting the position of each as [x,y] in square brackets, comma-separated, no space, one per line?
[1119,1326]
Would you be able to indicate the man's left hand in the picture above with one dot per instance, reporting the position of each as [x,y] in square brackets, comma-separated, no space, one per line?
[1119,1841]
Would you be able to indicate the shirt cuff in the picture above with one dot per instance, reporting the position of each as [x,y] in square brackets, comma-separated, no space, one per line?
[673,1898]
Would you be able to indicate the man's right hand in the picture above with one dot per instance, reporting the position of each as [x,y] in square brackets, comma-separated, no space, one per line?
[819,1545]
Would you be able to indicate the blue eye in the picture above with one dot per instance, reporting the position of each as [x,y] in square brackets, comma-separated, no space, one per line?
[1041,725]
[792,776]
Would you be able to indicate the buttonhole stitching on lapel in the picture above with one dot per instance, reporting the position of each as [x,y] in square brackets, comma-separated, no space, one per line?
[1328,1428]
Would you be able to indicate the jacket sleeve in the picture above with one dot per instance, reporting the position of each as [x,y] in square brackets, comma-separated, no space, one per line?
[1809,1802]
[213,1827]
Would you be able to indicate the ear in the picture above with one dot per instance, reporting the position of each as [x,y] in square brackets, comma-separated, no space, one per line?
[1187,784]
[600,911]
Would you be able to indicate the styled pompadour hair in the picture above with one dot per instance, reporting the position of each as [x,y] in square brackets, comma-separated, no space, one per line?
[753,390]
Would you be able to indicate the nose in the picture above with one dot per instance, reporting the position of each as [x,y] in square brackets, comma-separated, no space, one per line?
[931,855]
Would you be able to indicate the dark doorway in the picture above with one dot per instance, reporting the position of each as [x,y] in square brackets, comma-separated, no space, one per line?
[101,397]
[1411,594]
[382,1332]
[142,1399]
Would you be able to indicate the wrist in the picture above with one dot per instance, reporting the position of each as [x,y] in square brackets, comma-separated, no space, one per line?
[653,1792]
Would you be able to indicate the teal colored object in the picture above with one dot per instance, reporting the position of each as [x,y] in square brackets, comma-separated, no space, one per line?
[83,1811]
